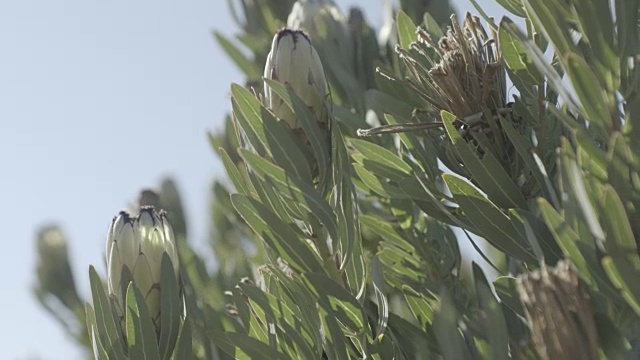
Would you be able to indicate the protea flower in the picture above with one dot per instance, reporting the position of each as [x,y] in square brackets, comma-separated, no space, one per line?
[135,246]
[54,271]
[294,62]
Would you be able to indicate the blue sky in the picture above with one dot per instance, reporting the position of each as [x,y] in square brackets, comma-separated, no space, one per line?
[98,100]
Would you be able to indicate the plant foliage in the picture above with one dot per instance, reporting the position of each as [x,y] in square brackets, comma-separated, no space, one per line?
[427,148]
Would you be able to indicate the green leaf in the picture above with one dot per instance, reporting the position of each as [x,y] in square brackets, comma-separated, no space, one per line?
[620,239]
[107,328]
[346,204]
[626,20]
[276,234]
[286,152]
[590,92]
[534,164]
[381,298]
[581,251]
[246,109]
[406,29]
[98,350]
[170,308]
[420,307]
[381,161]
[252,348]
[516,55]
[514,7]
[496,327]
[550,16]
[550,74]
[334,340]
[487,172]
[379,186]
[445,327]
[596,23]
[184,345]
[432,26]
[615,271]
[305,194]
[411,339]
[317,138]
[246,65]
[141,332]
[623,264]
[493,224]
[347,309]
[233,173]
[508,293]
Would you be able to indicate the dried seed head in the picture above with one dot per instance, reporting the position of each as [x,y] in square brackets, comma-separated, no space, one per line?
[559,310]
[470,75]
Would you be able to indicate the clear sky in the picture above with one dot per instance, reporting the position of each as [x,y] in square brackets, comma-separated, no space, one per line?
[99,99]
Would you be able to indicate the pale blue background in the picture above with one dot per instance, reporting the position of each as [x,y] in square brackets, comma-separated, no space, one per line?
[97,100]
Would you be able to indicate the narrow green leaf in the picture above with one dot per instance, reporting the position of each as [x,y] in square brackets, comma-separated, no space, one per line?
[381,298]
[307,196]
[496,327]
[508,293]
[445,327]
[516,55]
[590,92]
[406,29]
[107,327]
[170,308]
[596,23]
[514,7]
[277,234]
[553,24]
[317,137]
[246,65]
[141,331]
[253,348]
[286,151]
[620,238]
[615,270]
[335,344]
[377,185]
[381,161]
[550,74]
[494,225]
[534,164]
[348,309]
[345,201]
[233,173]
[420,307]
[432,26]
[246,109]
[487,172]
[98,350]
[184,345]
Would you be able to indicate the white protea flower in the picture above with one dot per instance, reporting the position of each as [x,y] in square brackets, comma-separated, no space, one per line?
[136,244]
[294,62]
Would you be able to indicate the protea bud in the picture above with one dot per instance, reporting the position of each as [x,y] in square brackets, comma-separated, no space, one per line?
[135,246]
[294,62]
[54,271]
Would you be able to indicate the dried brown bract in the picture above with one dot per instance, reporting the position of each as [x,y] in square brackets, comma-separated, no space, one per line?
[559,310]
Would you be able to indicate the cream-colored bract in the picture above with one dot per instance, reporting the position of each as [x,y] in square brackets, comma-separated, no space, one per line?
[294,62]
[137,244]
